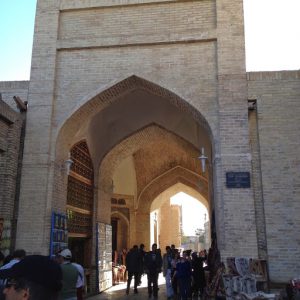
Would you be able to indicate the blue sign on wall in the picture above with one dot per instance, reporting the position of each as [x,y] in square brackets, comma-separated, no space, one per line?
[238,179]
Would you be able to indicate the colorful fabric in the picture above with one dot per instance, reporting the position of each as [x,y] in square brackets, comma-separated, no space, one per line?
[248,284]
[231,266]
[237,284]
[228,286]
[242,265]
[258,268]
[215,287]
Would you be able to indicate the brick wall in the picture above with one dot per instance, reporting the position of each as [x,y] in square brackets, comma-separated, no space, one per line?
[9,89]
[130,24]
[83,46]
[278,121]
[11,124]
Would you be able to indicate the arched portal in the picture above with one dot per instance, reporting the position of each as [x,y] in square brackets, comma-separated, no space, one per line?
[142,139]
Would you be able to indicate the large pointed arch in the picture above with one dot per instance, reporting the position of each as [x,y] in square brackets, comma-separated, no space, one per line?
[156,116]
[78,120]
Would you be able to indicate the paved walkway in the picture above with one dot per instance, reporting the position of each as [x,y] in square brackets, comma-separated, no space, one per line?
[119,291]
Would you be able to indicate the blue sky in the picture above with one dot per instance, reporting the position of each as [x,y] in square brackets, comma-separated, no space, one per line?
[16,35]
[272,30]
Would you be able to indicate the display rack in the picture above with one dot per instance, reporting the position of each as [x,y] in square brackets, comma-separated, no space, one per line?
[59,233]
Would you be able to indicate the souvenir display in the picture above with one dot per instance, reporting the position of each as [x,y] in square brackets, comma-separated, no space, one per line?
[59,233]
[104,255]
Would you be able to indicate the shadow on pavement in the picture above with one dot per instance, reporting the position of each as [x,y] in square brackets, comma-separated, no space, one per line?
[119,291]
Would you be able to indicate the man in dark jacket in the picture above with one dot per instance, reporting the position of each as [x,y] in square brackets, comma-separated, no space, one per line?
[133,266]
[142,253]
[153,266]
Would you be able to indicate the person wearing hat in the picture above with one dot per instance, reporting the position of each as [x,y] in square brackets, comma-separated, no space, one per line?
[36,277]
[69,276]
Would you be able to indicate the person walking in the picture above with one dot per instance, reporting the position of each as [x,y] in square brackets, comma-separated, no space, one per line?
[80,281]
[175,259]
[167,269]
[69,276]
[133,266]
[142,254]
[153,265]
[197,275]
[183,274]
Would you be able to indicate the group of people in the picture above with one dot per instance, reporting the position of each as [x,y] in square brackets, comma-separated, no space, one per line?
[184,272]
[36,277]
[139,262]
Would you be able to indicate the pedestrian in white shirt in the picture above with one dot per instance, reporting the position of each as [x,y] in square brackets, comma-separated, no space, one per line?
[80,281]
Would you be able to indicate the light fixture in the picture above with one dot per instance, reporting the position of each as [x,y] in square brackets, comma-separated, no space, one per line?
[68,163]
[203,159]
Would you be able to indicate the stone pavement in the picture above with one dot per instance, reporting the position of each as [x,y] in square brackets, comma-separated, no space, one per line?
[119,291]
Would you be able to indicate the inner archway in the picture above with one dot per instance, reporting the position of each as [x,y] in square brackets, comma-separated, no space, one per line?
[141,155]
[168,218]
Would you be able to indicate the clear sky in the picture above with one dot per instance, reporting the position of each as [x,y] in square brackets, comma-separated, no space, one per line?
[16,35]
[272,29]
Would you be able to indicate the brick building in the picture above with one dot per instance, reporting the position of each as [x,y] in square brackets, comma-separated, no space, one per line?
[123,96]
[12,130]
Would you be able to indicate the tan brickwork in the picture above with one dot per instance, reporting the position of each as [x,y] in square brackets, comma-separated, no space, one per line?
[278,121]
[93,61]
[11,143]
[170,231]
[9,89]
[184,63]
[127,25]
